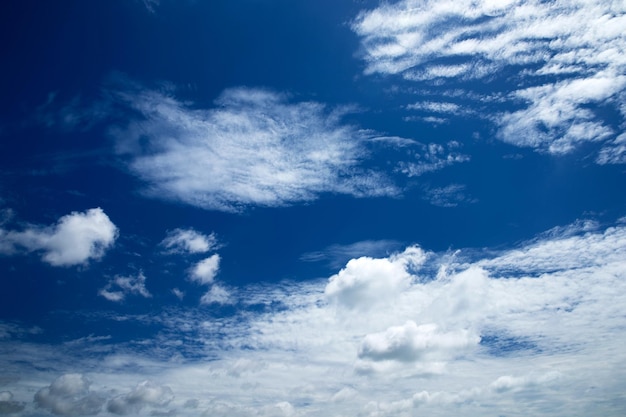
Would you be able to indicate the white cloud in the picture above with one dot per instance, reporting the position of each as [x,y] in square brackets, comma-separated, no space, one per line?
[433,157]
[217,295]
[525,329]
[337,255]
[565,56]
[120,286]
[410,342]
[255,147]
[69,395]
[74,240]
[189,241]
[449,196]
[144,394]
[365,282]
[204,272]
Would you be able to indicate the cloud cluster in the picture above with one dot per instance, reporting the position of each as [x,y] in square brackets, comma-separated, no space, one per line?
[255,147]
[527,328]
[69,395]
[554,61]
[74,240]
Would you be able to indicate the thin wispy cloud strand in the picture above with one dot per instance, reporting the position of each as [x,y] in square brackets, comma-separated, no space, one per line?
[552,60]
[254,148]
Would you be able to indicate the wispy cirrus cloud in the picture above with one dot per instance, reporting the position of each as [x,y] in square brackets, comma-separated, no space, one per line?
[433,157]
[253,148]
[554,62]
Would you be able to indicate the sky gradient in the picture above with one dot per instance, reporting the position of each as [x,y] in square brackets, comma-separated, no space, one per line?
[313,208]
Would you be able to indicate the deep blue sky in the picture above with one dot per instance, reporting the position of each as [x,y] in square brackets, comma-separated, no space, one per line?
[308,199]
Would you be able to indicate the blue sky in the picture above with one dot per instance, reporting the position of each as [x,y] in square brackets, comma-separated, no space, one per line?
[298,208]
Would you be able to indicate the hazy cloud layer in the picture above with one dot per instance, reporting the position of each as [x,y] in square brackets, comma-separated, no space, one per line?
[554,62]
[74,240]
[255,147]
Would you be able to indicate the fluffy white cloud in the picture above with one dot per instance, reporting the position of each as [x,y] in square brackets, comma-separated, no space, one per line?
[120,286]
[255,147]
[144,394]
[204,272]
[188,241]
[565,57]
[365,282]
[409,342]
[74,240]
[69,395]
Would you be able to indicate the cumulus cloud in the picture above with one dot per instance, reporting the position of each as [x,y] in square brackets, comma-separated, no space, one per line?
[255,147]
[74,240]
[69,395]
[565,58]
[144,394]
[365,282]
[189,241]
[120,286]
[409,342]
[204,272]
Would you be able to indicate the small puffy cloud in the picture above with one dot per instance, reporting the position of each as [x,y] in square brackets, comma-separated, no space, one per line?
[188,241]
[253,148]
[8,405]
[410,342]
[119,287]
[74,240]
[144,394]
[204,272]
[366,281]
[69,395]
